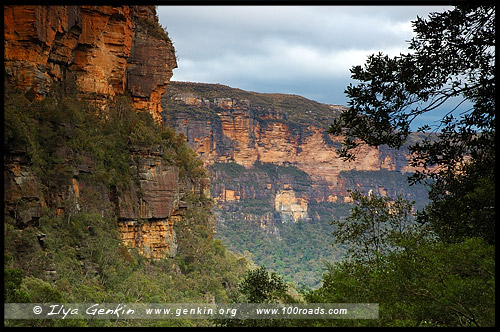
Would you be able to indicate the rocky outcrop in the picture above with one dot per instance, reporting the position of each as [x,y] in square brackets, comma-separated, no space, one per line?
[109,50]
[154,239]
[146,211]
[149,209]
[290,208]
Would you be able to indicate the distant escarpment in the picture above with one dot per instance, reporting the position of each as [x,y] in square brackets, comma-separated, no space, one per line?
[275,175]
[272,152]
[110,51]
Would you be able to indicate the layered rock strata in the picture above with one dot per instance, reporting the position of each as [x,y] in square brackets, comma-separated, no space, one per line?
[254,130]
[110,51]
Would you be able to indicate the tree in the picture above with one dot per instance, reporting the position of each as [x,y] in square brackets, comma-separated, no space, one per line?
[260,286]
[12,286]
[375,227]
[452,60]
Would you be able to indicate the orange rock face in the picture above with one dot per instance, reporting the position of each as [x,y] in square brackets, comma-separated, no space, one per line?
[249,142]
[232,130]
[146,221]
[155,239]
[109,50]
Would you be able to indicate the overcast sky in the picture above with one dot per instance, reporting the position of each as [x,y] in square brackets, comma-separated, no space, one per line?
[303,50]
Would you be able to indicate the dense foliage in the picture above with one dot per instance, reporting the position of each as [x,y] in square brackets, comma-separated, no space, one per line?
[297,251]
[452,61]
[416,279]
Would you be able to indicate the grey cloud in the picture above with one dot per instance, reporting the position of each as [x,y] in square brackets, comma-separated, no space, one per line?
[291,49]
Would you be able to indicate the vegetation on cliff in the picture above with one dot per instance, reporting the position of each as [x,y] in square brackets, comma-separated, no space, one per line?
[61,123]
[76,255]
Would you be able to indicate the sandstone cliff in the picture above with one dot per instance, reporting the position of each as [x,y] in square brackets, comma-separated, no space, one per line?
[110,50]
[287,162]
